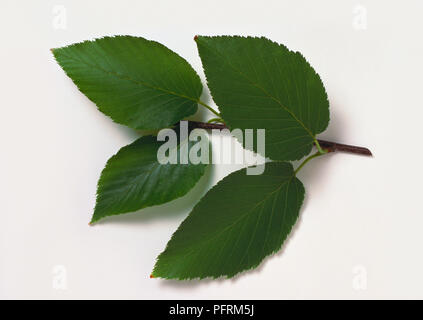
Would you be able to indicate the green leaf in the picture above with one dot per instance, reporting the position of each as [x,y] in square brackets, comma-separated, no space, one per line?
[239,222]
[136,82]
[259,84]
[134,179]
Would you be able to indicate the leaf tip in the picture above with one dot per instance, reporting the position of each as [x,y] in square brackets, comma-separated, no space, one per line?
[151,276]
[195,37]
[93,221]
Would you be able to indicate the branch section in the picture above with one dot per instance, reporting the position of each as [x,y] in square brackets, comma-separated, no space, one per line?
[328,145]
[334,146]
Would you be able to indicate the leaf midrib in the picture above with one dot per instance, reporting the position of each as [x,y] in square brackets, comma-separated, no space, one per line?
[154,164]
[138,82]
[200,244]
[264,91]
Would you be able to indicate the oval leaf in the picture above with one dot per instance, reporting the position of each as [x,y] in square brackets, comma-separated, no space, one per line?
[259,84]
[133,179]
[239,222]
[136,82]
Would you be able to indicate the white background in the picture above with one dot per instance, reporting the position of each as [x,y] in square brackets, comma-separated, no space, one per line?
[360,233]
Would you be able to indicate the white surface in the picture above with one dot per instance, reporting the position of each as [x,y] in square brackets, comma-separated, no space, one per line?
[362,216]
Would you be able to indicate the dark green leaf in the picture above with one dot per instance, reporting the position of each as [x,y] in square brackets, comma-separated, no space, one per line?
[239,222]
[260,84]
[133,179]
[136,82]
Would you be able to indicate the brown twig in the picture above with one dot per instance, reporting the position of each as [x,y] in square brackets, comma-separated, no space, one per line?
[330,146]
[334,146]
